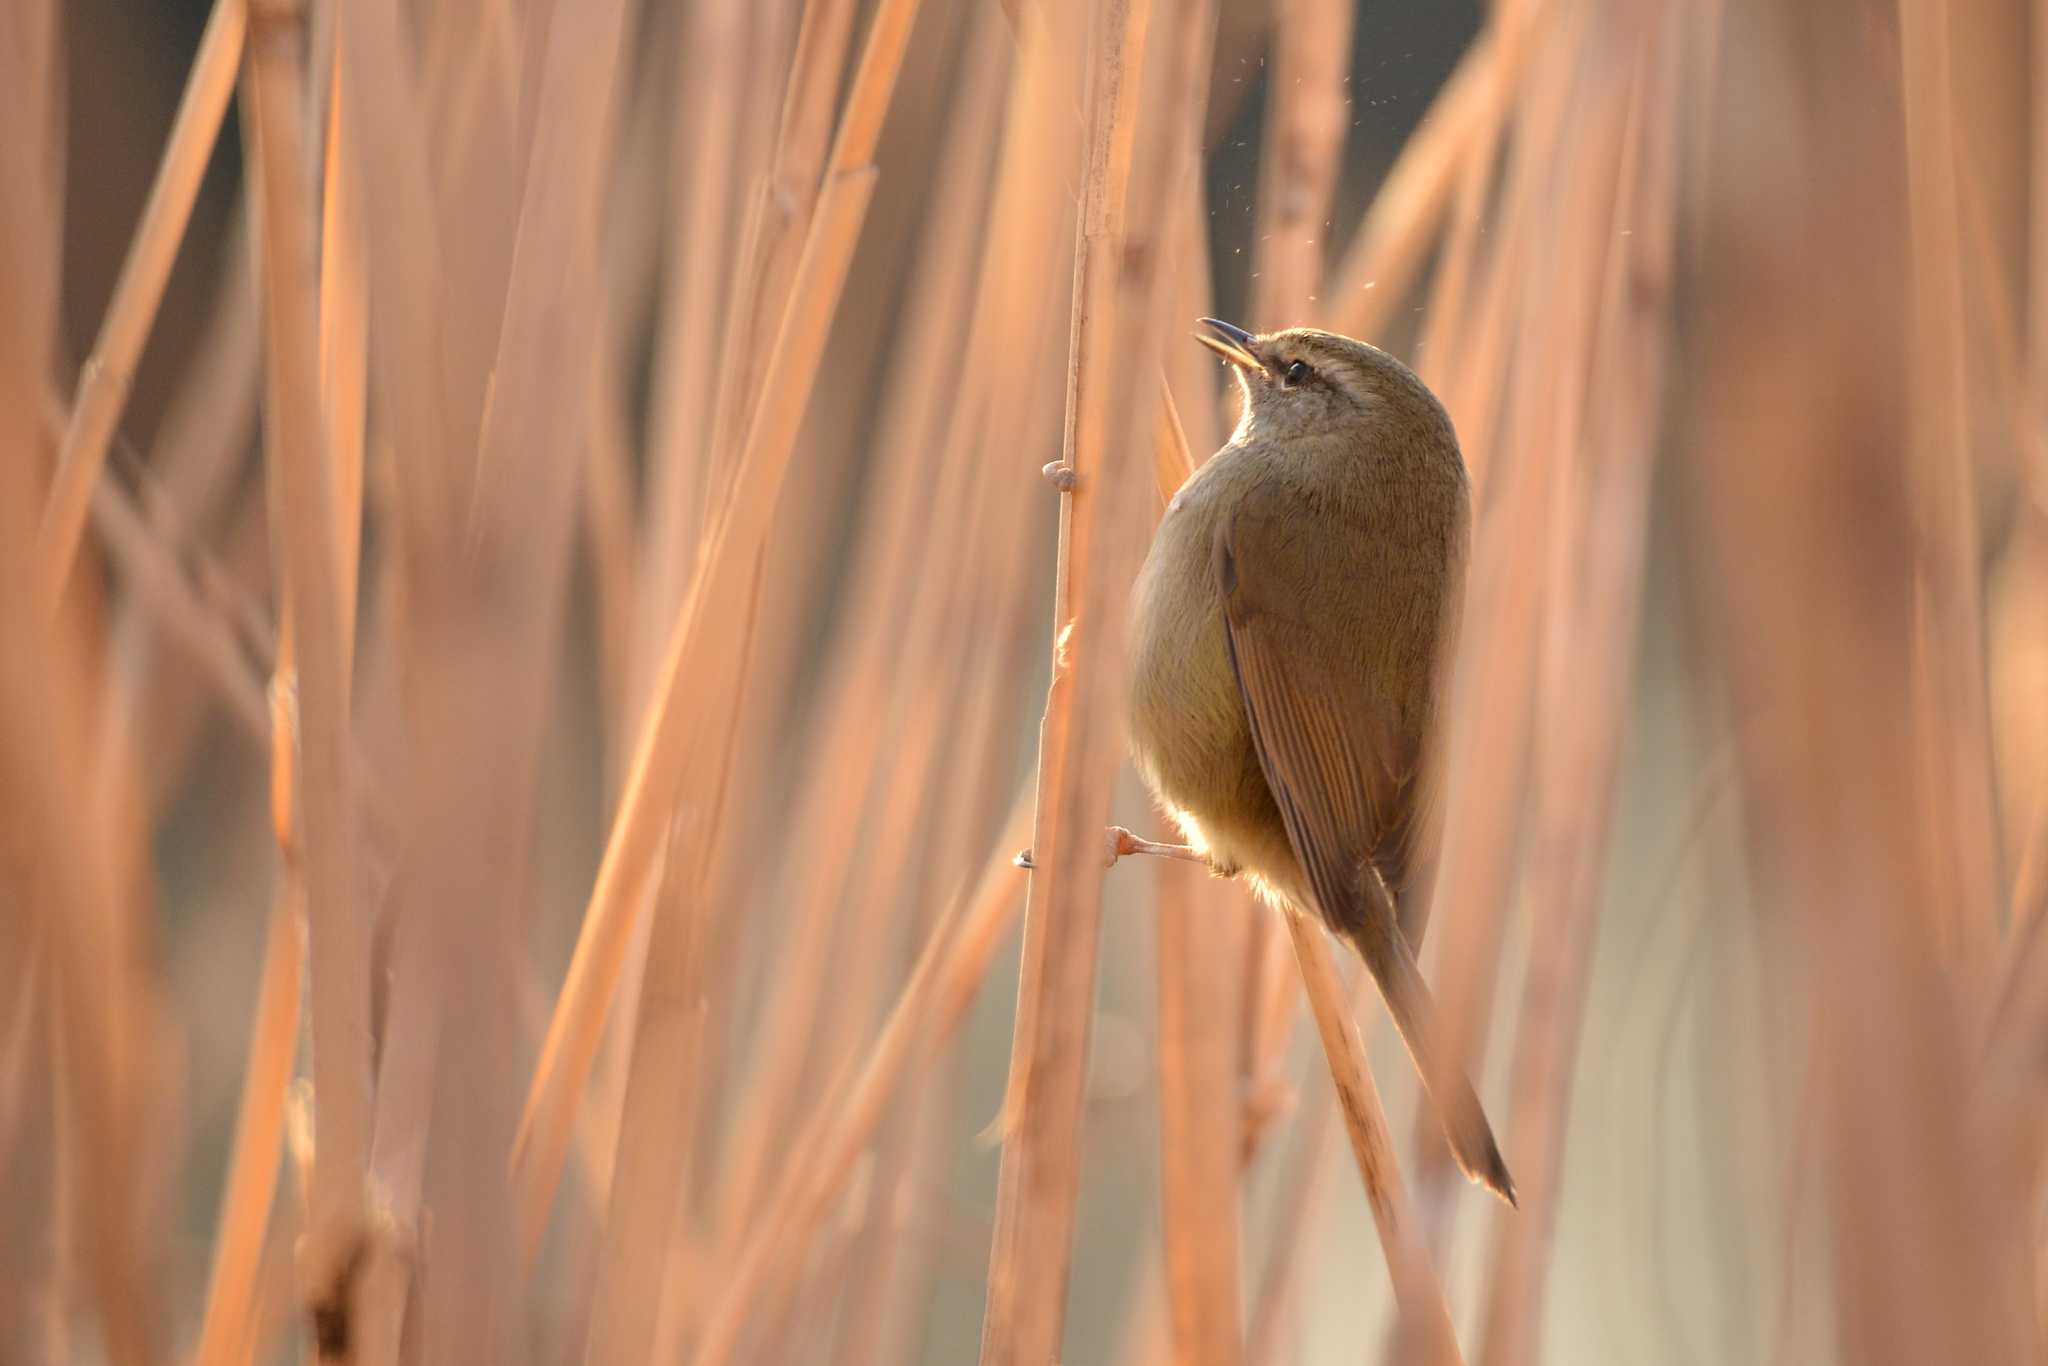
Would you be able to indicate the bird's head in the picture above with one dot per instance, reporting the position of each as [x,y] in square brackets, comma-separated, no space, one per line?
[1302,382]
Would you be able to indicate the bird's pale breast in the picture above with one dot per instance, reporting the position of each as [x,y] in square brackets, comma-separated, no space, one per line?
[1188,732]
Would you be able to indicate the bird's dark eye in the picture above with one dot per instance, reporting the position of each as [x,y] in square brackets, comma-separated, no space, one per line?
[1297,373]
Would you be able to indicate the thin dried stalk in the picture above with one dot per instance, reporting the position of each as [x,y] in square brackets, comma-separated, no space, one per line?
[344,336]
[253,1162]
[110,369]
[1115,305]
[1427,1333]
[299,469]
[675,732]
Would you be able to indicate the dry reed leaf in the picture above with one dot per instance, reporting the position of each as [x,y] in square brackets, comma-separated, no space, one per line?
[108,371]
[253,1163]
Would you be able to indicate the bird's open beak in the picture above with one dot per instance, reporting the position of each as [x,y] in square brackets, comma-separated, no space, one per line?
[1231,342]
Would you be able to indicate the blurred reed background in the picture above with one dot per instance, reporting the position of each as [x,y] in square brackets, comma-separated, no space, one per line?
[527,597]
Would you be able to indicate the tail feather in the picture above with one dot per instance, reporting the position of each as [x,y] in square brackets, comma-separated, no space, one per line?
[1392,964]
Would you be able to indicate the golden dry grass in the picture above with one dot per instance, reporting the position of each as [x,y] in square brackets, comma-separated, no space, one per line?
[522,872]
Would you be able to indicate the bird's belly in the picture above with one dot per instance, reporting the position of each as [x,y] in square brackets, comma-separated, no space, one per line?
[1188,733]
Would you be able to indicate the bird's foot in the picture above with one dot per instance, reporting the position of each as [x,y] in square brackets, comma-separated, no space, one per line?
[1122,842]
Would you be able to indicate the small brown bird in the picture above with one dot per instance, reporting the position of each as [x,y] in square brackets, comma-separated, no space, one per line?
[1290,633]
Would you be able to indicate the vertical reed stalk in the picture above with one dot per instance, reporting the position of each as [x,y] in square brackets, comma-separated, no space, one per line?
[299,469]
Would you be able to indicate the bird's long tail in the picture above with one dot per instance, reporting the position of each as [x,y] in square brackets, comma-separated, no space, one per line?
[1392,964]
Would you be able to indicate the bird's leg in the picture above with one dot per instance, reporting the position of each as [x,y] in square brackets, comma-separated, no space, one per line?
[1122,842]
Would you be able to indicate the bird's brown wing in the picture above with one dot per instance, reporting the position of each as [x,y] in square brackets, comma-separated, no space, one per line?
[1332,752]
[1341,776]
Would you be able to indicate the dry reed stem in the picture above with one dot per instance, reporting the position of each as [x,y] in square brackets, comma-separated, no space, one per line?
[674,732]
[649,1178]
[1955,728]
[1117,288]
[344,337]
[1308,115]
[1589,643]
[253,1161]
[1427,1333]
[298,466]
[109,370]
[932,1002]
